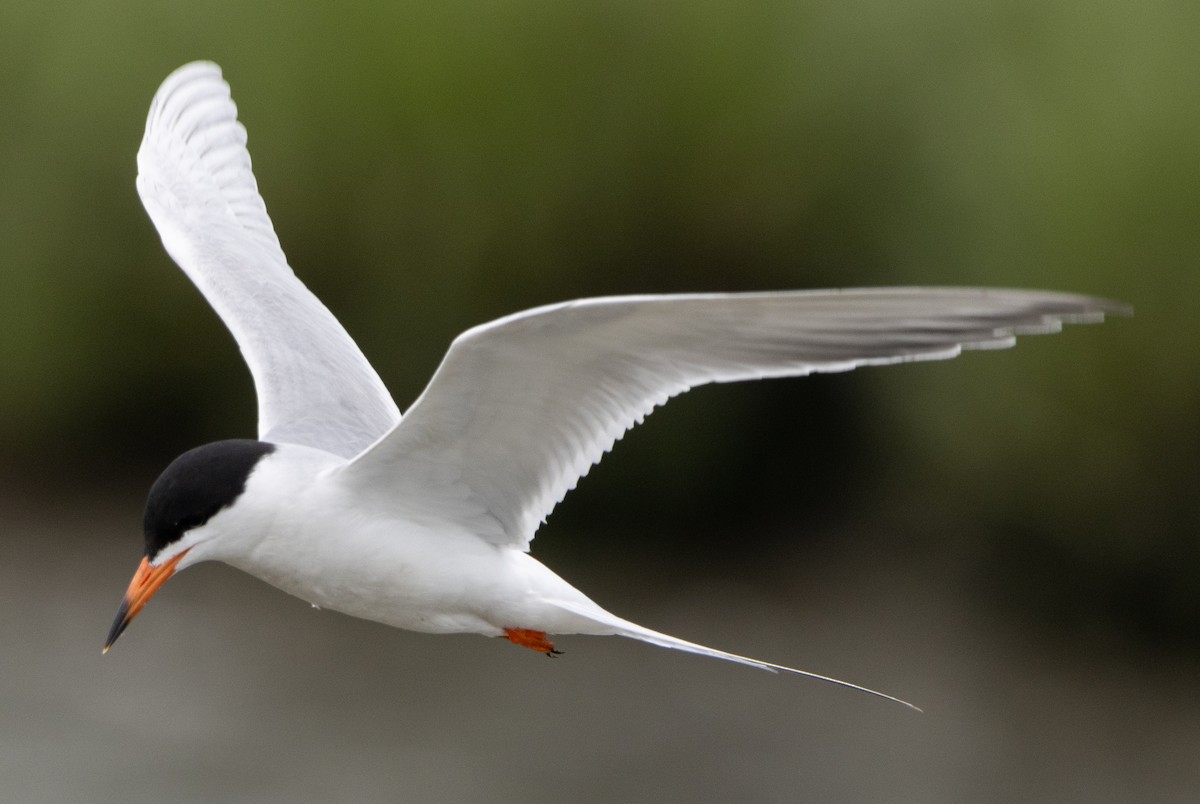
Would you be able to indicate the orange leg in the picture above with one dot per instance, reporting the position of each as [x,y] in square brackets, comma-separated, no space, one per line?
[534,640]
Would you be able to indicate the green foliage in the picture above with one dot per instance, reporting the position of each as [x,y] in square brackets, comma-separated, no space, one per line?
[433,165]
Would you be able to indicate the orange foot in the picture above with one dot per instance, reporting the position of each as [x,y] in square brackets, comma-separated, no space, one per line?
[534,640]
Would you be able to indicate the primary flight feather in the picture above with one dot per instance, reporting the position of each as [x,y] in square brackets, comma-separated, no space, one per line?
[423,521]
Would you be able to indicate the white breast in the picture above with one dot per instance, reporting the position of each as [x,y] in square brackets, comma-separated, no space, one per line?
[300,529]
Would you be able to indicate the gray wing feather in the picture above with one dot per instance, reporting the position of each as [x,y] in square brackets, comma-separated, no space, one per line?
[522,407]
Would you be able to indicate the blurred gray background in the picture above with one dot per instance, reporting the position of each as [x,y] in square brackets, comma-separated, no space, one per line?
[1009,539]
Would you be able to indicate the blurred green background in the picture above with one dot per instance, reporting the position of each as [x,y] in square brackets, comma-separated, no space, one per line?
[943,531]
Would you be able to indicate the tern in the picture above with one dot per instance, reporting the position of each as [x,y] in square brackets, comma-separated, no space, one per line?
[424,521]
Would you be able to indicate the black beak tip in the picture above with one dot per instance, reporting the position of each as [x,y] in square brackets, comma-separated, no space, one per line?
[119,625]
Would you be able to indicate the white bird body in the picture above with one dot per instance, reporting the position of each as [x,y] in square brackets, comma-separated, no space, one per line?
[423,521]
[301,529]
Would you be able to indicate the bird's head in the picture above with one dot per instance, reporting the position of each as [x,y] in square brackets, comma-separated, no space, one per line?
[182,522]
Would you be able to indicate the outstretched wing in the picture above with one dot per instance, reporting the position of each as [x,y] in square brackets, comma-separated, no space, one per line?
[314,386]
[522,407]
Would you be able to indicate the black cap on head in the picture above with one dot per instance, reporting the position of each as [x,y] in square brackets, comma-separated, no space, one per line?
[197,485]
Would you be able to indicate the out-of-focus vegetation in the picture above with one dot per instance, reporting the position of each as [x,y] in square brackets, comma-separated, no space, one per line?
[432,165]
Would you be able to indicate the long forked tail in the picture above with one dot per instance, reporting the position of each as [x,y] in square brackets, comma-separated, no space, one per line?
[621,627]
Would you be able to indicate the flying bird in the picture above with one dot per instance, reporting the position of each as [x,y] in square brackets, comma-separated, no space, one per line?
[423,520]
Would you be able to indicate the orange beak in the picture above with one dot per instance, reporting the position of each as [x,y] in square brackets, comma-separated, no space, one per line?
[145,583]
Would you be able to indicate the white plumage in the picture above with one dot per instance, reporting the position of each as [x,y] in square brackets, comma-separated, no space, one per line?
[423,521]
[194,178]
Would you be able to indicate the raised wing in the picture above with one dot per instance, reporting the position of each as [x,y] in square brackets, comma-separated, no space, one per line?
[522,407]
[314,386]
